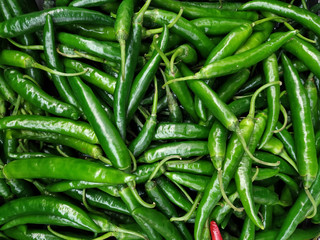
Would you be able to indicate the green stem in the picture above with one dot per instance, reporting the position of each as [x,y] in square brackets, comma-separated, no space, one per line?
[224,195]
[266,20]
[60,235]
[49,70]
[137,196]
[285,117]
[188,215]
[184,192]
[160,164]
[298,34]
[30,47]
[313,202]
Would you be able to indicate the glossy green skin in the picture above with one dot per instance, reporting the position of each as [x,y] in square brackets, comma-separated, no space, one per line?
[46,205]
[76,129]
[270,68]
[93,75]
[145,136]
[232,84]
[317,140]
[312,94]
[252,84]
[65,168]
[168,131]
[17,233]
[300,15]
[34,21]
[144,171]
[245,59]
[166,207]
[102,33]
[26,39]
[106,50]
[220,212]
[6,91]
[16,59]
[5,192]
[183,28]
[265,196]
[123,86]
[41,219]
[21,188]
[306,52]
[107,134]
[212,192]
[292,184]
[89,3]
[187,54]
[35,95]
[307,161]
[230,43]
[284,167]
[217,144]
[195,10]
[143,79]
[100,199]
[201,167]
[200,109]
[175,112]
[183,149]
[158,221]
[243,176]
[123,21]
[193,181]
[257,37]
[298,234]
[248,230]
[218,26]
[132,204]
[266,211]
[53,62]
[63,186]
[287,140]
[173,193]
[264,173]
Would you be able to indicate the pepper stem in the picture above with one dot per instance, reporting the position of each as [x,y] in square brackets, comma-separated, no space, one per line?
[188,215]
[160,164]
[61,235]
[179,80]
[255,95]
[123,230]
[313,202]
[184,192]
[255,174]
[285,117]
[31,47]
[132,187]
[105,236]
[49,70]
[298,34]
[266,20]
[162,55]
[224,195]
[134,161]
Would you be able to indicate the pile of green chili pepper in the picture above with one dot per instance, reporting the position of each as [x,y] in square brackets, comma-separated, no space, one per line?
[159,119]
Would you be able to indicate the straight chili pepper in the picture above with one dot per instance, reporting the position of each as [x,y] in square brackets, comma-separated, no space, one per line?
[195,10]
[242,60]
[53,62]
[124,83]
[108,136]
[270,68]
[302,124]
[143,79]
[77,129]
[300,15]
[34,21]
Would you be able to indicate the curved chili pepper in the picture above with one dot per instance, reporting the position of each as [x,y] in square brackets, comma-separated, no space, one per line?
[46,205]
[168,131]
[215,232]
[193,181]
[32,93]
[202,167]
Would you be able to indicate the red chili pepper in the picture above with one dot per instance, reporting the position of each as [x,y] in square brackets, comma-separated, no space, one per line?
[215,232]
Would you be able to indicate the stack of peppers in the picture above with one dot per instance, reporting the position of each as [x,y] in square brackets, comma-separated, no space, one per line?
[159,119]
